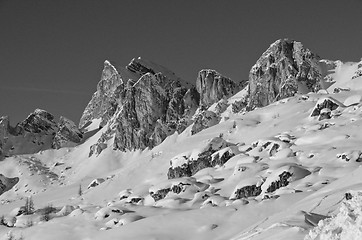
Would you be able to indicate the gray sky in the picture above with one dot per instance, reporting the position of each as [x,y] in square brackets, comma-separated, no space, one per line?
[52,52]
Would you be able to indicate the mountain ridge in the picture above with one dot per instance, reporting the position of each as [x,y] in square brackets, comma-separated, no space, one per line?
[208,161]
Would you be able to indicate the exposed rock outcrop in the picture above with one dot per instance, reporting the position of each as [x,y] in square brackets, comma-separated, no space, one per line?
[204,119]
[247,191]
[104,101]
[37,122]
[144,103]
[358,72]
[67,135]
[324,107]
[213,87]
[283,181]
[153,108]
[4,132]
[7,183]
[284,69]
[153,104]
[187,164]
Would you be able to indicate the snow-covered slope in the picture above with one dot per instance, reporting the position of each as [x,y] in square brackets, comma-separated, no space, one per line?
[270,173]
[346,76]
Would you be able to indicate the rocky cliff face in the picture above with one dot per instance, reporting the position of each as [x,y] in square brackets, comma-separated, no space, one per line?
[149,102]
[37,122]
[67,134]
[145,103]
[285,68]
[4,132]
[37,132]
[152,104]
[213,87]
[111,92]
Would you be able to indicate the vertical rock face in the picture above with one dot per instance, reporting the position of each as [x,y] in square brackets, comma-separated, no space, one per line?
[284,69]
[151,104]
[4,132]
[148,102]
[68,134]
[213,87]
[145,103]
[152,109]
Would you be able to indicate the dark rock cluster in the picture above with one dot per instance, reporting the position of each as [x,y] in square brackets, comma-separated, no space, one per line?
[248,191]
[175,188]
[7,183]
[324,108]
[283,181]
[204,160]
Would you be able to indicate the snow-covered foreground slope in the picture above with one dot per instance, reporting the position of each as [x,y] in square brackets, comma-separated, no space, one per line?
[257,175]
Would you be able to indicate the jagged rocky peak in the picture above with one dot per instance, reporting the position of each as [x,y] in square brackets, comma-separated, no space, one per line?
[38,121]
[67,134]
[152,103]
[110,89]
[212,87]
[140,66]
[284,69]
[109,72]
[140,105]
[37,132]
[111,79]
[137,65]
[104,101]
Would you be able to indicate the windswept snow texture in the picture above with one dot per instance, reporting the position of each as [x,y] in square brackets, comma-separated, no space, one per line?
[271,173]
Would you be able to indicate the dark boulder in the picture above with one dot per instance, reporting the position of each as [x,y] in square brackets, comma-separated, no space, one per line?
[283,181]
[324,107]
[247,191]
[7,183]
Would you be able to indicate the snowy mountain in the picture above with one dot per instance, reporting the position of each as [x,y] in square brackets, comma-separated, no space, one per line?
[37,132]
[277,157]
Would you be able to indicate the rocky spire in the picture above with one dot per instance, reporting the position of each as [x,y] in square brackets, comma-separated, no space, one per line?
[104,101]
[153,104]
